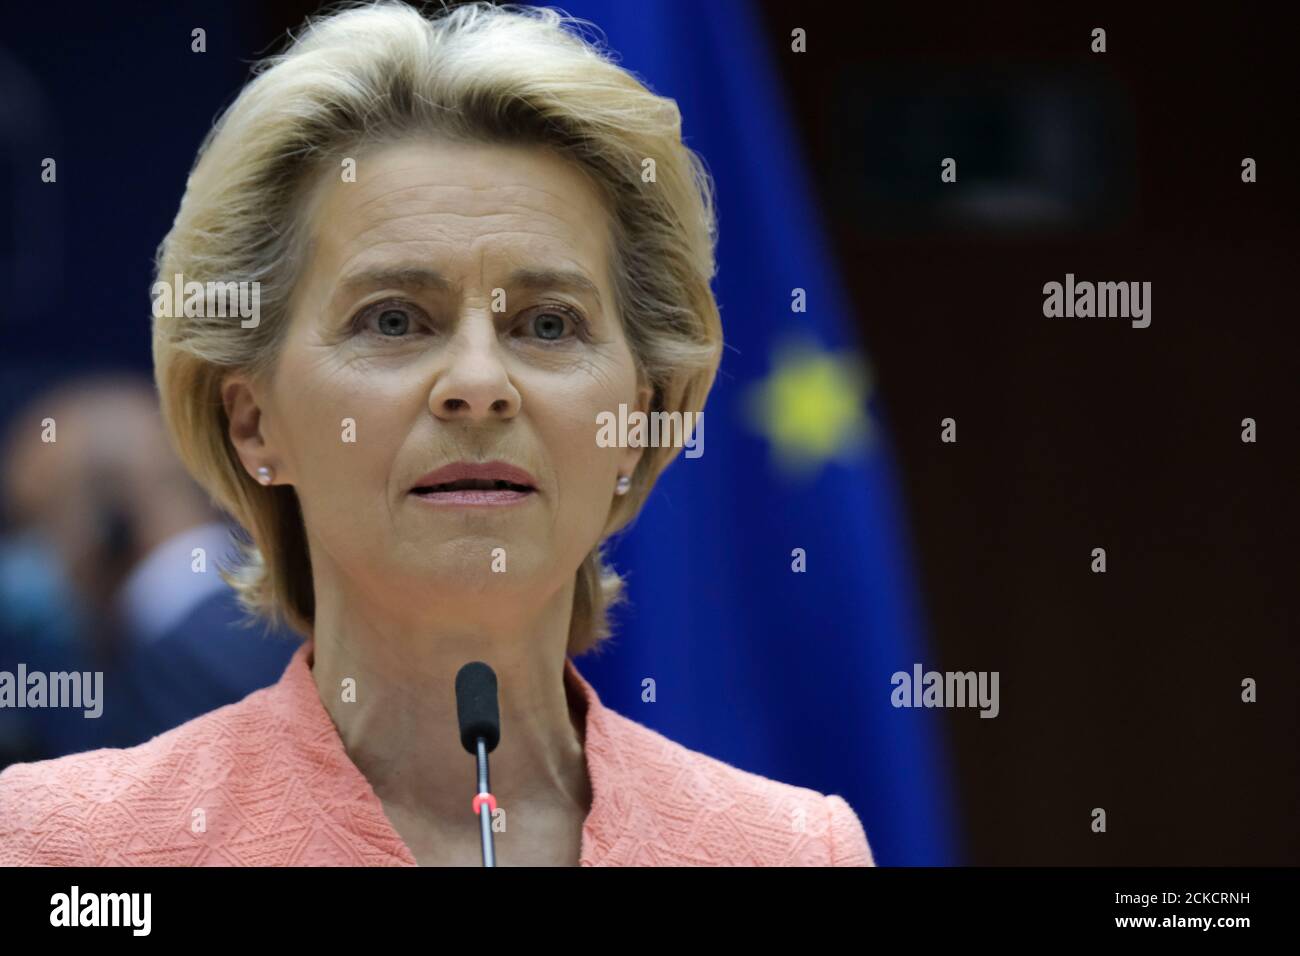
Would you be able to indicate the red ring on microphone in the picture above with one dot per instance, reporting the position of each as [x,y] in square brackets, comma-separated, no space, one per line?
[491,802]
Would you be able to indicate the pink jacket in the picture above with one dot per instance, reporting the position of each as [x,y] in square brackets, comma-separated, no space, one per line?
[277,788]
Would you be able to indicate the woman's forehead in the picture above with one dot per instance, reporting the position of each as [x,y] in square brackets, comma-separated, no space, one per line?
[510,204]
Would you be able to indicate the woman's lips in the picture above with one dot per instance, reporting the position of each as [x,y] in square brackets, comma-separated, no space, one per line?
[484,472]
[493,483]
[473,496]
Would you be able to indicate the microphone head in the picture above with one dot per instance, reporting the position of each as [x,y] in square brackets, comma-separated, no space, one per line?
[476,706]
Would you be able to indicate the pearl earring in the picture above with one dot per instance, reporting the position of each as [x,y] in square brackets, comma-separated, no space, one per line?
[624,483]
[264,475]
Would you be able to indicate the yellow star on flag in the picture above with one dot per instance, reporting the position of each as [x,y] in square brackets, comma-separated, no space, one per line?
[812,407]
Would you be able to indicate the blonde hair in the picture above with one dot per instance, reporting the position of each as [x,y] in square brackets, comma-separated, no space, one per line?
[367,74]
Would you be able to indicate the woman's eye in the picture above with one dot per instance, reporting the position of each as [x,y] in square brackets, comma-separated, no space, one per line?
[393,322]
[548,324]
[389,320]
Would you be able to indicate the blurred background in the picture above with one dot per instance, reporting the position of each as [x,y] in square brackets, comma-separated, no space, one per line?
[921,300]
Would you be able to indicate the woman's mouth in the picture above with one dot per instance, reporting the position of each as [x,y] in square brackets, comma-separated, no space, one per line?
[473,491]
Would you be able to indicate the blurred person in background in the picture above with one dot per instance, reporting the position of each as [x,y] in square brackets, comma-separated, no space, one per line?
[97,573]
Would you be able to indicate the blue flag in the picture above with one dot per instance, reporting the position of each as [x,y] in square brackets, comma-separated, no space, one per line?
[770,589]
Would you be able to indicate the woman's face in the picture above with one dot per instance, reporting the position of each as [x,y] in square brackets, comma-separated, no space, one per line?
[423,318]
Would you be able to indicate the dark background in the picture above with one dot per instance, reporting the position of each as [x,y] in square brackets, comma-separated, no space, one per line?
[1083,433]
[1072,433]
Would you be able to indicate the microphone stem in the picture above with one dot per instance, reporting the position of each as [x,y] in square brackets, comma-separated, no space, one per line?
[484,811]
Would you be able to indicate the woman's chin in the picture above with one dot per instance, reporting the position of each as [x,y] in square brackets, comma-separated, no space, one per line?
[473,564]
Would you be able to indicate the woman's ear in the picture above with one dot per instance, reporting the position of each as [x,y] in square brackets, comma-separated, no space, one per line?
[644,396]
[632,455]
[244,415]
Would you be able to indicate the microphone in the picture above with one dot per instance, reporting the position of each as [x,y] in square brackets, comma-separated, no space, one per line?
[480,732]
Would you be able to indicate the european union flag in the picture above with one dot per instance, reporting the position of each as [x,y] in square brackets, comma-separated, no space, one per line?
[769,581]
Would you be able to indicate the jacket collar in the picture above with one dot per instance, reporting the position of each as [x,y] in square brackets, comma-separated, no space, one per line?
[302,717]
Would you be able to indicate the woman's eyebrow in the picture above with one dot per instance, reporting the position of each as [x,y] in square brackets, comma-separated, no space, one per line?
[419,278]
[422,278]
[564,279]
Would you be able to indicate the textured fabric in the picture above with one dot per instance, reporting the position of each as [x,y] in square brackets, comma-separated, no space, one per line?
[272,785]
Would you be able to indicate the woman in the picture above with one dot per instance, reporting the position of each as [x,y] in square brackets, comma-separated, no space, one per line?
[448,259]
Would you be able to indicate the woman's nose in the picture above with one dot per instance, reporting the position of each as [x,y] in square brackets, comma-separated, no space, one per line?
[473,382]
